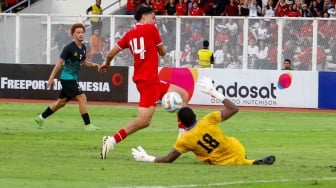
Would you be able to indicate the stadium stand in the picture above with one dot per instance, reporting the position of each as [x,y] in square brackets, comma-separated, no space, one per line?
[308,50]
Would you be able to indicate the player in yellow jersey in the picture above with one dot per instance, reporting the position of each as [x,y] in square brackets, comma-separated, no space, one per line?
[205,138]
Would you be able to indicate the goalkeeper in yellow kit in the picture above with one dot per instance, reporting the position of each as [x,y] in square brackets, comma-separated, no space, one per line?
[205,138]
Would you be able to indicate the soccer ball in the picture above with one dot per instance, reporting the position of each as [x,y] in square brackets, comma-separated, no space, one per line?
[171,102]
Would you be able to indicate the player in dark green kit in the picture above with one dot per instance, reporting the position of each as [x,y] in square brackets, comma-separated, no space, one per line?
[69,63]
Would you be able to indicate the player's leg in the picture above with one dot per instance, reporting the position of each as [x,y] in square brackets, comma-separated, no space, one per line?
[73,90]
[52,108]
[149,94]
[239,154]
[142,121]
[83,110]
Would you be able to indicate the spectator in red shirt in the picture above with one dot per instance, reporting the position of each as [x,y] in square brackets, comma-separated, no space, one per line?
[281,8]
[10,3]
[326,31]
[321,58]
[196,11]
[293,31]
[307,29]
[222,37]
[272,55]
[305,56]
[181,8]
[212,8]
[241,36]
[196,37]
[333,2]
[273,30]
[186,29]
[145,43]
[159,7]
[131,6]
[293,11]
[186,57]
[231,9]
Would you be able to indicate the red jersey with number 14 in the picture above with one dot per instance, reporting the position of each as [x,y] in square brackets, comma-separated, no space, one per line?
[142,41]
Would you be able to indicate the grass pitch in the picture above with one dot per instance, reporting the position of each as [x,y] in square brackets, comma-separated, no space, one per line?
[64,155]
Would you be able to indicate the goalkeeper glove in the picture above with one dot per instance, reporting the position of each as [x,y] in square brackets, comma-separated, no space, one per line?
[139,154]
[207,87]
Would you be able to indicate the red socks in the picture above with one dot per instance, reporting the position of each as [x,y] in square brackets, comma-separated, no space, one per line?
[180,125]
[181,128]
[120,135]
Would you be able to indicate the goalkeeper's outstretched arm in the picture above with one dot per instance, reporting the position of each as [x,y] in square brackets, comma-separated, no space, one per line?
[207,87]
[169,158]
[139,154]
[229,109]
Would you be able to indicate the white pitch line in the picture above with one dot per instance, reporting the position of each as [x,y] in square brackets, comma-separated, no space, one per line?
[236,183]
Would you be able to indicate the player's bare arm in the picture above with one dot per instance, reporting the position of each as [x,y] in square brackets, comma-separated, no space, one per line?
[90,64]
[161,50]
[229,110]
[54,72]
[206,86]
[140,154]
[169,158]
[115,50]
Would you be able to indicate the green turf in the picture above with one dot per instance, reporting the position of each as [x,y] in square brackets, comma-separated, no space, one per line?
[64,155]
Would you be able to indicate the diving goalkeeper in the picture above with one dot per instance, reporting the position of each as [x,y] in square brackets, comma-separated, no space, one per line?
[205,138]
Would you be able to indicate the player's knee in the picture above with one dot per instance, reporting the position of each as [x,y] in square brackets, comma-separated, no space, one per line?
[185,97]
[60,104]
[81,98]
[143,122]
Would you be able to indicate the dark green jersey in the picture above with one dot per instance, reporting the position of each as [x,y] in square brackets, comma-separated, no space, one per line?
[73,57]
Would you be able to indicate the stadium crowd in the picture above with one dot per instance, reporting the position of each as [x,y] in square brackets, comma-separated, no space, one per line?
[16,4]
[228,33]
[263,33]
[266,8]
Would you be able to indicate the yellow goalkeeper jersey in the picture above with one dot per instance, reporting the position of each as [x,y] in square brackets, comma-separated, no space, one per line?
[209,143]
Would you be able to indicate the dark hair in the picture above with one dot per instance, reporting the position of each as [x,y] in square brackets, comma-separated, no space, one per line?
[288,61]
[141,10]
[75,26]
[187,116]
[206,43]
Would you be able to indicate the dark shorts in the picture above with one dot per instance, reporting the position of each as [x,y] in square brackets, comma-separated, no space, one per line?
[70,89]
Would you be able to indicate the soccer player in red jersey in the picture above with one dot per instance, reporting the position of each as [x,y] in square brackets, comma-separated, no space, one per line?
[145,43]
